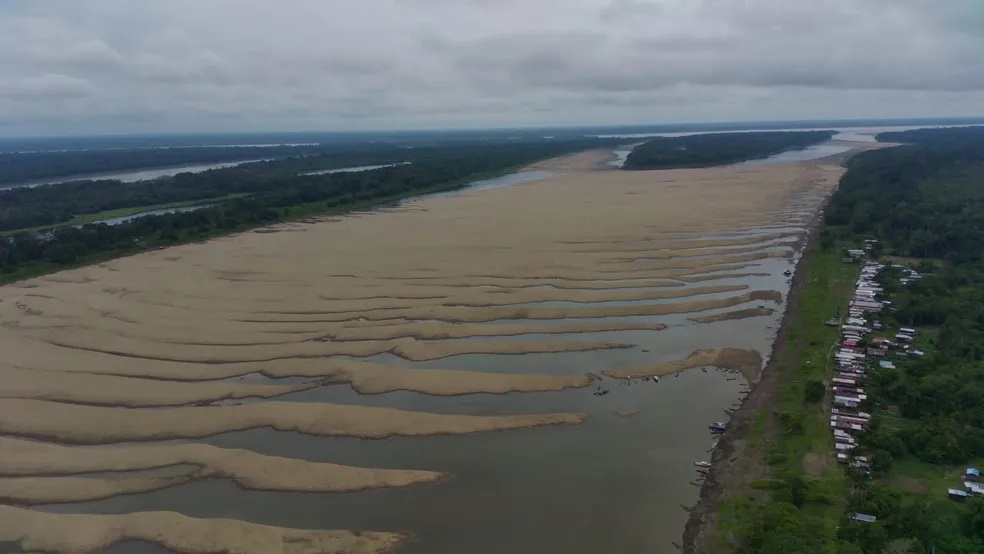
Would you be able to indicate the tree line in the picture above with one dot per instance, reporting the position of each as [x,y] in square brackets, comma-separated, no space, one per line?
[276,192]
[718,148]
[29,207]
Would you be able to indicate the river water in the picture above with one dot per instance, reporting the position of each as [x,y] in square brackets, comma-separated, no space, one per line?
[133,176]
[613,485]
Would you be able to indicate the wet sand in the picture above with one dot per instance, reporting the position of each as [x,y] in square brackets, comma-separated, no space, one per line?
[523,302]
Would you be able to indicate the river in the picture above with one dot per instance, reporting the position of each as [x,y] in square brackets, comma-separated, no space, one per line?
[133,176]
[614,484]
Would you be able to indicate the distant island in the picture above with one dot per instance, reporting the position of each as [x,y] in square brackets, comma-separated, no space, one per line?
[718,148]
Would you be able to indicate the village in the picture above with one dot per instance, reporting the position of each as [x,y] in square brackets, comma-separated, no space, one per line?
[855,350]
[855,353]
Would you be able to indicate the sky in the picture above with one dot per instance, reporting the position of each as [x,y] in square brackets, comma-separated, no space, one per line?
[125,66]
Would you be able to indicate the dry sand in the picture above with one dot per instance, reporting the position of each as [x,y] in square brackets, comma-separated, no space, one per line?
[35,462]
[116,352]
[379,378]
[98,425]
[87,534]
[749,362]
[56,490]
[123,391]
[736,314]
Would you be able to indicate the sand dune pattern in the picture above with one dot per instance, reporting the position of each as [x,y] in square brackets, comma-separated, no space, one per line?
[112,373]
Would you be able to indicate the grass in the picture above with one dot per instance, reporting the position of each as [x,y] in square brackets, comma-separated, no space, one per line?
[793,436]
[84,219]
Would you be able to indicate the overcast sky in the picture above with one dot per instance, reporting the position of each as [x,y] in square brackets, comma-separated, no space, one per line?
[121,66]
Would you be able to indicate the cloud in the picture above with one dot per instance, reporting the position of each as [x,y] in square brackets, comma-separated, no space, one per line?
[50,86]
[118,66]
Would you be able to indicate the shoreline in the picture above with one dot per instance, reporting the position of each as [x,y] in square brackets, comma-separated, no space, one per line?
[702,521]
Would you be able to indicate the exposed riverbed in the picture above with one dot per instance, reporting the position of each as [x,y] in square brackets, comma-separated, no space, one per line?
[445,280]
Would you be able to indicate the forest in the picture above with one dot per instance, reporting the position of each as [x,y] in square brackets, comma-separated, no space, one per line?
[924,202]
[718,148]
[16,168]
[256,194]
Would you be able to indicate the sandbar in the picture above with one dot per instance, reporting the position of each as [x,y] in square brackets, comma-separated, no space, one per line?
[78,424]
[749,362]
[85,534]
[40,460]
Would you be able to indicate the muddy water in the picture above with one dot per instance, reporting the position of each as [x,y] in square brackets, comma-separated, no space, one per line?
[614,484]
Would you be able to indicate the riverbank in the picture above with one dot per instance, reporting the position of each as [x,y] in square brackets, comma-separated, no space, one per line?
[777,437]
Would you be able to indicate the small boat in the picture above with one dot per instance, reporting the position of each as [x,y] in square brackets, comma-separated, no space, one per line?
[703,469]
[601,392]
[788,272]
[656,378]
[702,464]
[717,427]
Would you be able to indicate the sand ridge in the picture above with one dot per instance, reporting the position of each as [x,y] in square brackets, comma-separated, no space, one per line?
[35,462]
[735,314]
[78,424]
[85,534]
[749,362]
[124,391]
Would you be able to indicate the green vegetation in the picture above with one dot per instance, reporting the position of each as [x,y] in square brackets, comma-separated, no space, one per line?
[798,505]
[59,204]
[924,202]
[85,219]
[30,166]
[256,194]
[718,148]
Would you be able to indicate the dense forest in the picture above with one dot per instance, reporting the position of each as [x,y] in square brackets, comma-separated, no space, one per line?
[17,168]
[276,190]
[29,207]
[718,148]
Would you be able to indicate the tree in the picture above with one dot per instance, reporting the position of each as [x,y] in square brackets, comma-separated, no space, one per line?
[814,390]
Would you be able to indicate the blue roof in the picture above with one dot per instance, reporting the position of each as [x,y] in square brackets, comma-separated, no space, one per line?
[973,471]
[864,517]
[957,492]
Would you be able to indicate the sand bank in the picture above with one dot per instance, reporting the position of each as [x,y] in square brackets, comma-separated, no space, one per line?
[408,348]
[123,391]
[85,534]
[749,362]
[38,460]
[379,378]
[582,161]
[671,244]
[736,314]
[453,314]
[58,490]
[439,331]
[78,424]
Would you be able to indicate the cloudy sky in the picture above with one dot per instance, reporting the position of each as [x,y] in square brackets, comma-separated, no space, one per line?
[121,66]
